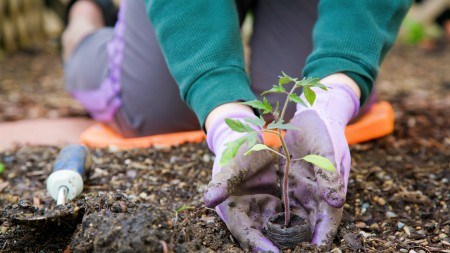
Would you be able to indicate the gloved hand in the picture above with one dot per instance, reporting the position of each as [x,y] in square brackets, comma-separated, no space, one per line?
[244,192]
[315,193]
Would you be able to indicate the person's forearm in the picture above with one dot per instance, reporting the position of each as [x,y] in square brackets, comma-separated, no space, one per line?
[340,78]
[225,109]
[352,37]
[202,46]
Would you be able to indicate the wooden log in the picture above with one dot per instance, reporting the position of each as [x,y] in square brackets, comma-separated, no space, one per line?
[59,6]
[9,36]
[2,15]
[21,23]
[39,5]
[53,25]
[28,6]
[14,9]
[23,32]
[2,9]
[428,11]
[36,29]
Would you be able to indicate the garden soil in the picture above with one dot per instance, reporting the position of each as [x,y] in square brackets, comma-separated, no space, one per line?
[150,200]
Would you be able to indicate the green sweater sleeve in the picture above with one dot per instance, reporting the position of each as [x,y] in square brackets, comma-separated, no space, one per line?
[353,36]
[202,46]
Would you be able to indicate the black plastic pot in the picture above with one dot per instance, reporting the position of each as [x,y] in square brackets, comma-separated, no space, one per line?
[298,231]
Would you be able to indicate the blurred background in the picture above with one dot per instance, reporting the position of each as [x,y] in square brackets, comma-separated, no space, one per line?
[32,83]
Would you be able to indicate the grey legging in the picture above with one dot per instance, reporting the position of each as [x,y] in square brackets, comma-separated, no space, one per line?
[147,97]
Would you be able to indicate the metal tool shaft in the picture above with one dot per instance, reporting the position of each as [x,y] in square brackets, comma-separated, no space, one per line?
[62,195]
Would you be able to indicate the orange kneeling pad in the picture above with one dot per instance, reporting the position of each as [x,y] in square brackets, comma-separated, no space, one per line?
[377,122]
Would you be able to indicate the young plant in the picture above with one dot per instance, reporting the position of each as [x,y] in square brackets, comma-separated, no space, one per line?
[275,127]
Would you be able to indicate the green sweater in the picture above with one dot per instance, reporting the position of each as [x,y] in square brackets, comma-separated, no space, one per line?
[202,45]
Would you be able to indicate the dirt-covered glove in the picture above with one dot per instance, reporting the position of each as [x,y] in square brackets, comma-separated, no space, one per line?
[244,192]
[315,193]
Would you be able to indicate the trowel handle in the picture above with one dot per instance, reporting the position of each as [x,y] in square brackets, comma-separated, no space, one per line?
[73,157]
[67,177]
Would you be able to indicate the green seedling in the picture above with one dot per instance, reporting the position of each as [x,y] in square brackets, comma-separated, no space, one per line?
[275,127]
[2,168]
[184,208]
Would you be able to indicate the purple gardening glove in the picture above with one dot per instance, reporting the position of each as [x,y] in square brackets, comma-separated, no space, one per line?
[244,192]
[315,193]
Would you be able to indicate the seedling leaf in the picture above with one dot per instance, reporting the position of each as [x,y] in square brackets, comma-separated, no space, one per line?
[275,89]
[310,95]
[231,150]
[311,82]
[264,105]
[183,208]
[281,125]
[284,80]
[257,147]
[320,162]
[251,139]
[256,121]
[323,87]
[2,168]
[295,98]
[238,126]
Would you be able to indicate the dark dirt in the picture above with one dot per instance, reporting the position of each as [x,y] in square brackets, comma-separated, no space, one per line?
[151,199]
[31,86]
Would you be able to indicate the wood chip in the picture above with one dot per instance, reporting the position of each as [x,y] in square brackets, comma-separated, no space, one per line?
[413,197]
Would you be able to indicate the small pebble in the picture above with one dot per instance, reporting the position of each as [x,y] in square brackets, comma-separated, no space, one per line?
[360,224]
[365,235]
[201,188]
[407,231]
[175,181]
[152,197]
[208,219]
[421,232]
[403,250]
[387,185]
[442,236]
[364,207]
[206,158]
[173,159]
[131,174]
[391,214]
[143,195]
[3,229]
[391,237]
[400,225]
[381,201]
[412,251]
[113,149]
[375,227]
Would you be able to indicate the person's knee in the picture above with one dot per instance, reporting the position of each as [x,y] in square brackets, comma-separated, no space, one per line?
[84,18]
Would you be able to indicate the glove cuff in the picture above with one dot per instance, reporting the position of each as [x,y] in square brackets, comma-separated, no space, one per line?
[219,132]
[339,102]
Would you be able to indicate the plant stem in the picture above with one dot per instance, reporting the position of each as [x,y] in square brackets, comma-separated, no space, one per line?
[283,111]
[287,211]
[285,185]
